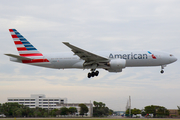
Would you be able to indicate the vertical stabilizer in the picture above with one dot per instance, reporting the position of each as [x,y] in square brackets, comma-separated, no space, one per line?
[28,53]
[24,47]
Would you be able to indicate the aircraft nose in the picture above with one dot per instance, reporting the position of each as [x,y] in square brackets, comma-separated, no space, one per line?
[173,59]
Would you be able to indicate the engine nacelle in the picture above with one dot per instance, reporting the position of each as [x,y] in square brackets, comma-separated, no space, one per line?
[116,65]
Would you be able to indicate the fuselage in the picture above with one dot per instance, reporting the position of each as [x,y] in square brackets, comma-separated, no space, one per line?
[66,60]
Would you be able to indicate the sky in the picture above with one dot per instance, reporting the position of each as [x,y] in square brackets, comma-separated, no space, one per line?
[93,25]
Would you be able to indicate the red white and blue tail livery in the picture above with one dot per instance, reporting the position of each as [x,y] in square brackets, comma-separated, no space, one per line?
[24,47]
[27,52]
[81,59]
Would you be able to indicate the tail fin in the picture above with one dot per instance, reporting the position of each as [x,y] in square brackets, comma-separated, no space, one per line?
[24,47]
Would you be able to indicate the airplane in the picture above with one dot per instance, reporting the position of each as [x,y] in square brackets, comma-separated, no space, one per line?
[82,59]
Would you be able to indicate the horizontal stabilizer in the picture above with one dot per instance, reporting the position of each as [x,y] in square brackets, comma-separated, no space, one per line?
[18,57]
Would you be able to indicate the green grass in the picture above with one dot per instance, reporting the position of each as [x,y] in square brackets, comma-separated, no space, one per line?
[83,119]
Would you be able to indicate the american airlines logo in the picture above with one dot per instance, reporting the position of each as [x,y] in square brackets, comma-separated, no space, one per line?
[129,56]
[152,55]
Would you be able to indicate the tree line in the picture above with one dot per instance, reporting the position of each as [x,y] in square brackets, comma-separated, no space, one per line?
[18,110]
[157,111]
[101,110]
[178,110]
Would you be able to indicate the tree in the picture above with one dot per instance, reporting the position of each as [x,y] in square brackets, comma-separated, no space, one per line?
[45,114]
[157,111]
[162,112]
[18,112]
[1,109]
[37,113]
[30,112]
[127,113]
[58,112]
[111,112]
[25,111]
[178,109]
[9,108]
[100,109]
[136,111]
[64,111]
[95,104]
[83,109]
[53,112]
[101,104]
[151,110]
[72,110]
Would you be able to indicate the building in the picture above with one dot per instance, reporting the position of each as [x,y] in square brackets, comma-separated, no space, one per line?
[76,105]
[38,100]
[174,112]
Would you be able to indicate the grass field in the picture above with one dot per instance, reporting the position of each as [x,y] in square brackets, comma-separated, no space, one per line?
[85,118]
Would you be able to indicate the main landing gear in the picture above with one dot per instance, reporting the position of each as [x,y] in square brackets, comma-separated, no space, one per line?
[93,73]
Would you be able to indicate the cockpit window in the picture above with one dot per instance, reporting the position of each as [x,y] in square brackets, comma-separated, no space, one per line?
[171,55]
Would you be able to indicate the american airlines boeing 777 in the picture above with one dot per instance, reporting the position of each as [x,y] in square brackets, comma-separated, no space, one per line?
[82,59]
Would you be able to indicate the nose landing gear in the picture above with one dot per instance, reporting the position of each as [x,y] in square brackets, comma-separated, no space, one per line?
[162,67]
[93,73]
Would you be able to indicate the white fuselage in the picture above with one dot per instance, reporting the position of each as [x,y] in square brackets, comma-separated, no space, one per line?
[66,60]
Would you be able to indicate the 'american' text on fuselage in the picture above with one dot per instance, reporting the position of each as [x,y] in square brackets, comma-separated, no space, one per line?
[128,56]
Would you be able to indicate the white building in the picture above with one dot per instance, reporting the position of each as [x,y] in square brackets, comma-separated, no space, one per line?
[38,100]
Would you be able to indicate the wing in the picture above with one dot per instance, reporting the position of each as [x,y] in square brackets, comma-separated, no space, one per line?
[90,58]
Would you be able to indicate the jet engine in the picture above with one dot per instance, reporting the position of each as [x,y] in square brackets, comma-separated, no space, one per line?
[116,65]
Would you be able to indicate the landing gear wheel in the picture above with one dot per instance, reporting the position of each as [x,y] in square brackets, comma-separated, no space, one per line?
[89,75]
[162,71]
[97,73]
[92,74]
